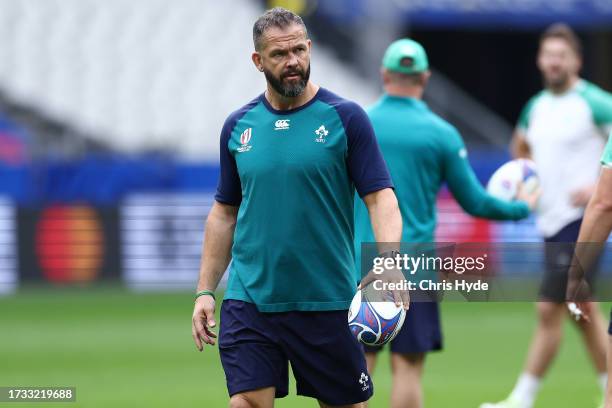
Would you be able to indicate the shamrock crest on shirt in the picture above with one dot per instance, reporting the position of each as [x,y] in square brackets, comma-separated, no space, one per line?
[321,133]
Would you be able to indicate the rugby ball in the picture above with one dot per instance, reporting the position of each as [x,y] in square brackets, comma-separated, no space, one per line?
[374,323]
[505,181]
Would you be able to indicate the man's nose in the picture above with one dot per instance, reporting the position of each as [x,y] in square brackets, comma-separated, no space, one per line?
[292,60]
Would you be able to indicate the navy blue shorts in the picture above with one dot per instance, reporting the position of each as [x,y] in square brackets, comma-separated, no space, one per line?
[420,333]
[610,327]
[327,361]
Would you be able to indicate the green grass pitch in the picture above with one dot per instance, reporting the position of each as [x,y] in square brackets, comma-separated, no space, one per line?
[135,350]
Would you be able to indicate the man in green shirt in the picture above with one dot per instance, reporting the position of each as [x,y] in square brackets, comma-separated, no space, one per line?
[291,162]
[422,152]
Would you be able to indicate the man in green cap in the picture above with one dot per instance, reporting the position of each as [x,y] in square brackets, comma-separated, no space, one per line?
[422,152]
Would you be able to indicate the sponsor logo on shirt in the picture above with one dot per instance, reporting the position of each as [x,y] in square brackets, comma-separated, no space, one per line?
[321,133]
[281,124]
[245,138]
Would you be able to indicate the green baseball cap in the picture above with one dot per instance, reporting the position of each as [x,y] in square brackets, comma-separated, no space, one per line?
[405,56]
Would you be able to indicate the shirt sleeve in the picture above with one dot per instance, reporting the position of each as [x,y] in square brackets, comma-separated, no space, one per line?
[229,190]
[600,103]
[606,158]
[523,121]
[468,191]
[366,166]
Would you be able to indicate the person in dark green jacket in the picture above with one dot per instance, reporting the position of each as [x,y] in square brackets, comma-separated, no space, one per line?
[422,151]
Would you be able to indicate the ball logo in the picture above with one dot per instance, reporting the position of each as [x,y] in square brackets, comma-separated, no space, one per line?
[245,138]
[374,323]
[70,244]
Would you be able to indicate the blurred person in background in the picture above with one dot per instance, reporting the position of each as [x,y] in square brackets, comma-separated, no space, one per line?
[563,129]
[291,161]
[422,152]
[594,231]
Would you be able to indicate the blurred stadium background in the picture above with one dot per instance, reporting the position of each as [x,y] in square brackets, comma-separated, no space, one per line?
[110,113]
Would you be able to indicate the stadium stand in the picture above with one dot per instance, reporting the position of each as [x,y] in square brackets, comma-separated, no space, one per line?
[140,75]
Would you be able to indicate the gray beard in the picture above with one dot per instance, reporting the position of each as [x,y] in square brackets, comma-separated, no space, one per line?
[291,90]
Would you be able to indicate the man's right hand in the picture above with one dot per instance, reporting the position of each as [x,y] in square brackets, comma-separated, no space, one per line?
[395,276]
[579,295]
[580,310]
[203,321]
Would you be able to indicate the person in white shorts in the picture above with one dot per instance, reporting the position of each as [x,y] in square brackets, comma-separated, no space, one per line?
[563,129]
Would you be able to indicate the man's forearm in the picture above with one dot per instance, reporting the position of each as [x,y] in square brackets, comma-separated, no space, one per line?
[594,231]
[597,223]
[385,218]
[217,246]
[474,199]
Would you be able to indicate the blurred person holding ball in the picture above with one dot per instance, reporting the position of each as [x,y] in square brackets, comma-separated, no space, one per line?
[422,151]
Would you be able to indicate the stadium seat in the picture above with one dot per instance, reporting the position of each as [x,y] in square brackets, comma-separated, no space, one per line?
[145,74]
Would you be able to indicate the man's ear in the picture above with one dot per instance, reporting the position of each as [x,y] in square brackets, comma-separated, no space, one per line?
[426,76]
[579,64]
[384,75]
[256,58]
[538,60]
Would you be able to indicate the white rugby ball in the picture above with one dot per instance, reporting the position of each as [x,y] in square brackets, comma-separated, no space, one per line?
[374,323]
[505,181]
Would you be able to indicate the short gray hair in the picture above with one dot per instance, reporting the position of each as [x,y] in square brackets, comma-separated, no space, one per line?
[276,17]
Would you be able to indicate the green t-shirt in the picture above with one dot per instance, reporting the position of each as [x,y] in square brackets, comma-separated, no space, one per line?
[606,157]
[422,152]
[293,175]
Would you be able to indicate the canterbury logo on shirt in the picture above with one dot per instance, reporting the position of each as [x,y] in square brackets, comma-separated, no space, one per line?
[281,124]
